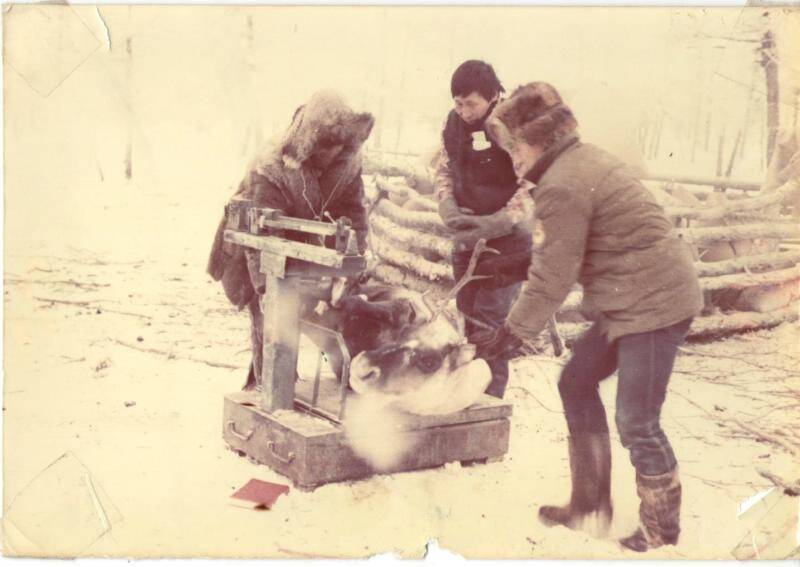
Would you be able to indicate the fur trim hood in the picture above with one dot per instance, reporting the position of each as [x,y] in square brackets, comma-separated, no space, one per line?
[326,118]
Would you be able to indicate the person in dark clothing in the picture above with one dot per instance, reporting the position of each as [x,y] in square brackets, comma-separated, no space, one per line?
[312,171]
[475,185]
[596,224]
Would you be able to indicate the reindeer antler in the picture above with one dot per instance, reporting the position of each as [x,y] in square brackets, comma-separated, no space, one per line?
[468,277]
[480,248]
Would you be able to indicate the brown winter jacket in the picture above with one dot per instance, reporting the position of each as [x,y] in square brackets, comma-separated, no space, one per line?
[596,224]
[282,178]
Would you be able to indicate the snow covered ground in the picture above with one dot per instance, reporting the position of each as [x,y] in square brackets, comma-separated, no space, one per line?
[118,348]
[121,378]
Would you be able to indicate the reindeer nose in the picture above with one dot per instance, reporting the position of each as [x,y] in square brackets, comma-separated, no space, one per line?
[373,375]
[363,373]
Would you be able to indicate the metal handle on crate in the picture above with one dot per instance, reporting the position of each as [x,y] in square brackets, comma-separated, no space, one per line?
[285,460]
[242,436]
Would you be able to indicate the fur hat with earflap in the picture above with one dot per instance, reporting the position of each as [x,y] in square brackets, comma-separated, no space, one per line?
[326,119]
[535,114]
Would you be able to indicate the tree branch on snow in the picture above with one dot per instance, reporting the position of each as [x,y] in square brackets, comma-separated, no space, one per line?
[791,488]
[173,356]
[80,285]
[791,448]
[88,305]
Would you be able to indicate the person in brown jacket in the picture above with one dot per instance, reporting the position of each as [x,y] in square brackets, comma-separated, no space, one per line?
[312,171]
[596,224]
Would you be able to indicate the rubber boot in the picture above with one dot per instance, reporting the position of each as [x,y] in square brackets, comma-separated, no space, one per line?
[590,506]
[659,512]
[497,387]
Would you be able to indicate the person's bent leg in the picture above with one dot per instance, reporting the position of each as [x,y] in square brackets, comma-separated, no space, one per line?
[491,306]
[645,366]
[593,360]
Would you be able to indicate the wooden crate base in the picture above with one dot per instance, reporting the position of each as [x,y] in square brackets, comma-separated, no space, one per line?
[312,451]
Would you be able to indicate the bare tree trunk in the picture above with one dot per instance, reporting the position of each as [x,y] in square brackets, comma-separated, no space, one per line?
[129,87]
[695,132]
[251,69]
[732,161]
[655,139]
[748,113]
[401,90]
[644,131]
[253,132]
[720,149]
[770,66]
[377,134]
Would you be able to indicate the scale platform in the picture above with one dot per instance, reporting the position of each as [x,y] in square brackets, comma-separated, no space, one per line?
[294,426]
[312,451]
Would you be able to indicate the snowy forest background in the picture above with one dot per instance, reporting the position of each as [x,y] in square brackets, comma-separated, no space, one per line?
[126,130]
[167,104]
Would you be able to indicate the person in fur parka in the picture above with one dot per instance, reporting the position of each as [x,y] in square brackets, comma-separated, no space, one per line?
[313,172]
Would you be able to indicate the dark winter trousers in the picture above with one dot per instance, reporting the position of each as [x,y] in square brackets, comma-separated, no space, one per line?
[256,341]
[489,306]
[644,362]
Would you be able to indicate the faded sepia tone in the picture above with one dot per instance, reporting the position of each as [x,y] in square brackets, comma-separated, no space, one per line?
[127,129]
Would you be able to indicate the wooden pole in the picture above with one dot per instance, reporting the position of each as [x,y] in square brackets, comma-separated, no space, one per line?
[705,236]
[784,193]
[732,160]
[280,305]
[742,321]
[745,280]
[744,263]
[698,180]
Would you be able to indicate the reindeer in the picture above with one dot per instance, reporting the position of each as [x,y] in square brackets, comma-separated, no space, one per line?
[395,336]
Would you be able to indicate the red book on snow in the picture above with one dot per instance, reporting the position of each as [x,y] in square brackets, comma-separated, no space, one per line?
[258,494]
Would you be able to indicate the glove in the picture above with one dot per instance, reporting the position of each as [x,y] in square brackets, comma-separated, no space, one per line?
[505,270]
[486,226]
[453,217]
[497,344]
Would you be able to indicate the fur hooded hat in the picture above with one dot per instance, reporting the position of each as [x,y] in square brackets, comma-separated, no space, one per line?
[534,113]
[325,119]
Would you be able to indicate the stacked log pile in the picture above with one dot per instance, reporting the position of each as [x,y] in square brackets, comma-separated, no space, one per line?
[750,277]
